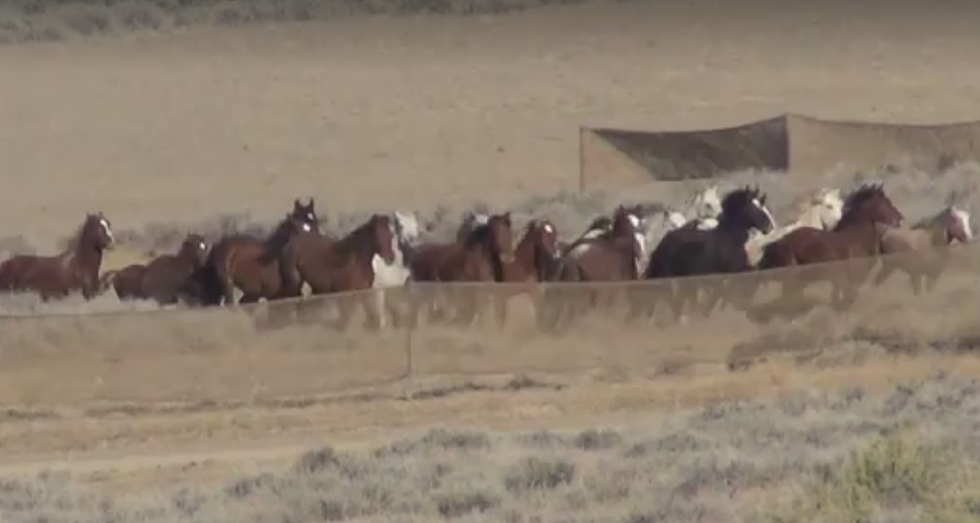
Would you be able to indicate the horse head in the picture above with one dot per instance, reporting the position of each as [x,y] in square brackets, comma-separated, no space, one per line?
[870,203]
[381,234]
[407,227]
[305,215]
[707,202]
[194,248]
[746,208]
[500,235]
[544,237]
[957,225]
[96,232]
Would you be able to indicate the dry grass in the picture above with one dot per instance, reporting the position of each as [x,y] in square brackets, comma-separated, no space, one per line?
[849,455]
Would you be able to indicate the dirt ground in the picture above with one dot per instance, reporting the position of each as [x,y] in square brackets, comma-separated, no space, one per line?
[376,113]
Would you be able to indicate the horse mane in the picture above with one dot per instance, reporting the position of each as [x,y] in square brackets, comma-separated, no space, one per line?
[740,195]
[278,239]
[346,244]
[862,194]
[76,237]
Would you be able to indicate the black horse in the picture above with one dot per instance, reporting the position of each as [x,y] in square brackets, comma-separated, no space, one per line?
[696,252]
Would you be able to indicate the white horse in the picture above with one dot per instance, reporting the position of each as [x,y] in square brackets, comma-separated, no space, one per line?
[820,210]
[407,231]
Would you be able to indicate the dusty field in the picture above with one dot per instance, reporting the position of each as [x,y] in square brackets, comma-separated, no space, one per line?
[210,127]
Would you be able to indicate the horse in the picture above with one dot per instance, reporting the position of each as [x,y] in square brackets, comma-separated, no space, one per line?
[167,279]
[819,210]
[470,221]
[927,239]
[535,257]
[75,269]
[613,256]
[857,235]
[345,265]
[252,265]
[690,251]
[699,211]
[479,257]
[407,233]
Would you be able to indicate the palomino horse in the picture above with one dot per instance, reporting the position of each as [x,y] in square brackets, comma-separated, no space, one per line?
[252,265]
[480,257]
[927,239]
[699,211]
[346,265]
[613,256]
[857,235]
[75,269]
[820,210]
[167,279]
[690,251]
[396,274]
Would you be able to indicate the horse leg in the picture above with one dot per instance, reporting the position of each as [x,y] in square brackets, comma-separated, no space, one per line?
[886,271]
[372,302]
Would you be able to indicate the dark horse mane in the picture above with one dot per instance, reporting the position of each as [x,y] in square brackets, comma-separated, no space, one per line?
[480,236]
[734,200]
[354,239]
[276,241]
[854,200]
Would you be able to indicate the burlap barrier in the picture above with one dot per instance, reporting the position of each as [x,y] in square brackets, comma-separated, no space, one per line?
[791,142]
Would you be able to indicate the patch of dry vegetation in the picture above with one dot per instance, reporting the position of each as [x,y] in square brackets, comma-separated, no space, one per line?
[846,456]
[41,21]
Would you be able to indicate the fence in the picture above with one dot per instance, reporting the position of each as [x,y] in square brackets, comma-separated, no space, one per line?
[289,349]
[801,144]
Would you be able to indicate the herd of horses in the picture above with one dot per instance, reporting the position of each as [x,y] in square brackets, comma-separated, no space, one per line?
[711,234]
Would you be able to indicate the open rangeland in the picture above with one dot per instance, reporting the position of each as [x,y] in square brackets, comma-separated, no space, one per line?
[202,121]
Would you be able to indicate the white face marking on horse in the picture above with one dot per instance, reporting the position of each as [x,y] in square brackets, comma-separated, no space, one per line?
[548,228]
[106,228]
[311,217]
[634,220]
[964,218]
[307,227]
[203,246]
[758,205]
[481,219]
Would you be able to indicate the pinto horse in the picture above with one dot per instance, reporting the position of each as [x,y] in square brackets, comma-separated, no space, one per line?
[920,251]
[867,213]
[75,269]
[691,251]
[611,256]
[167,279]
[344,265]
[480,257]
[250,264]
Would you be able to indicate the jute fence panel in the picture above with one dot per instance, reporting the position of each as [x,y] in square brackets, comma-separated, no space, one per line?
[296,349]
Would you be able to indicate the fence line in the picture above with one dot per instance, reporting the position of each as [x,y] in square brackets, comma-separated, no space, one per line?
[293,348]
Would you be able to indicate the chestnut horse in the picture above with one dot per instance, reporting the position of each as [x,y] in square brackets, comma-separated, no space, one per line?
[610,256]
[75,269]
[867,213]
[344,265]
[921,251]
[535,260]
[480,257]
[250,264]
[167,279]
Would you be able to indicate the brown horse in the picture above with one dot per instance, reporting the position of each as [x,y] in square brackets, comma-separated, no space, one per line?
[167,279]
[867,213]
[250,264]
[75,269]
[535,258]
[343,265]
[611,256]
[920,251]
[480,257]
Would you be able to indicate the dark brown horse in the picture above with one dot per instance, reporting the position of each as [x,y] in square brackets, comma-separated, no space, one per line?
[480,257]
[167,279]
[867,214]
[250,264]
[75,269]
[343,265]
[611,256]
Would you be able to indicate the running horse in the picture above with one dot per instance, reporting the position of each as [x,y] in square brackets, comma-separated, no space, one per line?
[480,257]
[611,256]
[921,251]
[167,279]
[868,212]
[76,269]
[251,264]
[535,259]
[344,265]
